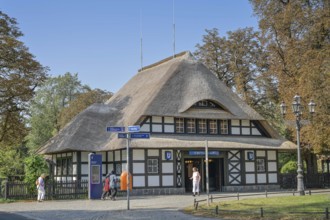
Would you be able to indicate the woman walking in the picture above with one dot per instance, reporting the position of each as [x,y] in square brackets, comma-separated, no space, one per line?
[196,177]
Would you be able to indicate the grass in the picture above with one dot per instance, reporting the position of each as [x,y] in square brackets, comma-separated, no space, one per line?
[284,207]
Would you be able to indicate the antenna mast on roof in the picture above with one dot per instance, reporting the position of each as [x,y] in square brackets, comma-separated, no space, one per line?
[173,33]
[141,51]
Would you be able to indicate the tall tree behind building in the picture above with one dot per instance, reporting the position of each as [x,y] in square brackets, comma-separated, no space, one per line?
[297,37]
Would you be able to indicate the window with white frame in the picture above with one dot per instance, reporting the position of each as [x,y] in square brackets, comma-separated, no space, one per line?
[191,125]
[224,126]
[202,129]
[213,127]
[64,166]
[179,125]
[152,165]
[261,165]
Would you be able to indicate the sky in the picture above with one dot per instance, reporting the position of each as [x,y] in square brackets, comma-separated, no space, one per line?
[101,39]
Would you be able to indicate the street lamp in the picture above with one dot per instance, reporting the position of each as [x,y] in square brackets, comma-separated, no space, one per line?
[297,110]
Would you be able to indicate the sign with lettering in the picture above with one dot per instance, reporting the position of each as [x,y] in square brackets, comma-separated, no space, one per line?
[202,153]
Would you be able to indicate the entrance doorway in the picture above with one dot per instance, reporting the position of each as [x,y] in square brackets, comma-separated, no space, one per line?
[216,173]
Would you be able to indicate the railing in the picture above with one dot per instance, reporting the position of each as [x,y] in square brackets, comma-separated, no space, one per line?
[258,211]
[54,190]
[319,180]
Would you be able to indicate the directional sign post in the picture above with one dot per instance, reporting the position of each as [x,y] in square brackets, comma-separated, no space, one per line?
[132,134]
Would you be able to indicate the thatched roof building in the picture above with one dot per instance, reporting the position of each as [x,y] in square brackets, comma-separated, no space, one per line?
[168,88]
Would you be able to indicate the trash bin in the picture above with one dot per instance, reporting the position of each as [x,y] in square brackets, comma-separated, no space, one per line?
[123,181]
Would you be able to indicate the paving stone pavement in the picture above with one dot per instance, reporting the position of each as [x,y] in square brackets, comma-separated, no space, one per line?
[141,207]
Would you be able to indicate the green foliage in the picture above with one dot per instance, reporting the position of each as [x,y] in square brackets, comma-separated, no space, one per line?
[11,161]
[289,167]
[35,165]
[20,74]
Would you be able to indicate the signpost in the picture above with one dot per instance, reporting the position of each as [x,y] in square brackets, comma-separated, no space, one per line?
[132,134]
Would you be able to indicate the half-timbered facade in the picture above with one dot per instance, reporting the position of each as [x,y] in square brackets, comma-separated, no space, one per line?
[184,107]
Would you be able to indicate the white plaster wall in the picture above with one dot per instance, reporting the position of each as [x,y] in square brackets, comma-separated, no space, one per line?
[245,131]
[153,153]
[272,166]
[163,154]
[84,178]
[103,169]
[261,178]
[168,119]
[139,181]
[110,156]
[138,168]
[261,153]
[167,167]
[249,167]
[123,155]
[271,155]
[167,180]
[156,119]
[236,181]
[138,155]
[255,131]
[74,157]
[84,169]
[169,128]
[237,168]
[84,156]
[110,167]
[153,180]
[235,130]
[272,178]
[145,128]
[250,178]
[245,122]
[235,122]
[157,128]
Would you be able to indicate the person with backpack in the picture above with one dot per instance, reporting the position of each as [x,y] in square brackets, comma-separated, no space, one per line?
[113,185]
[41,187]
[106,187]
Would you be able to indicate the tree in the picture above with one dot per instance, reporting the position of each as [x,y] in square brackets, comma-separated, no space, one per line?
[241,62]
[20,74]
[296,35]
[54,95]
[80,103]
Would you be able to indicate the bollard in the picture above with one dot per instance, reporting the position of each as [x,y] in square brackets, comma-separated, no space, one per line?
[261,212]
[237,195]
[266,193]
[196,205]
[217,210]
[326,213]
[194,202]
[211,199]
[293,192]
[310,192]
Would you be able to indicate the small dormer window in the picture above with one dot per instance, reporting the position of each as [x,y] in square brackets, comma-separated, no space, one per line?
[206,104]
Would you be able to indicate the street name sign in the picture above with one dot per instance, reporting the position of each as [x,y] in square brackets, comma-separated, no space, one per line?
[140,135]
[134,128]
[122,135]
[115,129]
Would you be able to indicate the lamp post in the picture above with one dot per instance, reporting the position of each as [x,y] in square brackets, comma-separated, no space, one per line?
[297,110]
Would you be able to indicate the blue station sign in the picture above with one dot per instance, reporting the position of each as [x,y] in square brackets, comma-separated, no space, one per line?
[202,153]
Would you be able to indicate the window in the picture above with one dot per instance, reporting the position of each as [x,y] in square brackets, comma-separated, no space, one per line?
[213,127]
[191,125]
[152,165]
[179,125]
[64,166]
[261,165]
[224,126]
[202,129]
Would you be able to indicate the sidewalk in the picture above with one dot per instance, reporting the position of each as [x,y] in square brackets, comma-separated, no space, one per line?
[142,207]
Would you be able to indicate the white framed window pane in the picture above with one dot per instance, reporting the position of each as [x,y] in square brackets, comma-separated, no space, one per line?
[202,129]
[179,124]
[191,125]
[224,126]
[213,127]
[260,165]
[152,166]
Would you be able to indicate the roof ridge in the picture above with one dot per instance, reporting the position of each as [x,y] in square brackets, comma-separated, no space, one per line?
[181,54]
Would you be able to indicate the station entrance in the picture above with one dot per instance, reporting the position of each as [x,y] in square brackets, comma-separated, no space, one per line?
[216,173]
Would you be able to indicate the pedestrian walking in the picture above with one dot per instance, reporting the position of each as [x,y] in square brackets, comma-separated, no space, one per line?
[196,177]
[113,185]
[41,187]
[106,187]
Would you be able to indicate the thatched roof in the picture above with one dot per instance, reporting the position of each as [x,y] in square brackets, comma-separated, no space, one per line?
[168,88]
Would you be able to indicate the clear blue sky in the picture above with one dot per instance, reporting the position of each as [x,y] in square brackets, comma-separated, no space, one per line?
[100,39]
